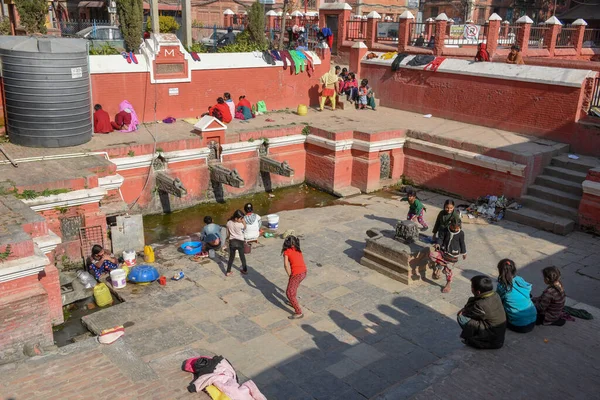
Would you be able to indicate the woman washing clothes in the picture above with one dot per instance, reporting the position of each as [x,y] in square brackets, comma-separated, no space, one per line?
[126,119]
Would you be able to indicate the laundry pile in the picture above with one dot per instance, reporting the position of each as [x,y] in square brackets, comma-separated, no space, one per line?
[218,379]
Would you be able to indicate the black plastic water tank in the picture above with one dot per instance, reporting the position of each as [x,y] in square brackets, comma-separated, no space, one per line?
[46,90]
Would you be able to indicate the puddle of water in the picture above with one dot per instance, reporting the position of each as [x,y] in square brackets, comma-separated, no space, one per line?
[73,327]
[161,227]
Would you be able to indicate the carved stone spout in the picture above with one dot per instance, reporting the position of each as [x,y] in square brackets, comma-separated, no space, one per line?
[225,176]
[168,184]
[275,167]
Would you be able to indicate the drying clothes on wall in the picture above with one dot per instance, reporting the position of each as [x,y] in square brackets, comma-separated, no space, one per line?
[388,55]
[298,60]
[421,59]
[435,64]
[268,57]
[397,61]
[224,378]
[328,35]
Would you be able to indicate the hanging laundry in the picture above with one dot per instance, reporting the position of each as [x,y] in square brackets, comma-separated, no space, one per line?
[435,64]
[388,55]
[397,61]
[421,59]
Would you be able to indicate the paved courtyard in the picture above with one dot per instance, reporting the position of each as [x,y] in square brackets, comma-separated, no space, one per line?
[363,335]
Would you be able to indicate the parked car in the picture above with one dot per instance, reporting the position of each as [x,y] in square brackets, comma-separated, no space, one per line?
[101,35]
[215,37]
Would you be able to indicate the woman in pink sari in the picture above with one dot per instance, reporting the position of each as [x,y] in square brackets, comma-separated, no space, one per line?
[126,120]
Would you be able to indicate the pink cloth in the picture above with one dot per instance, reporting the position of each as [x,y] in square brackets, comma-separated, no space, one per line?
[224,379]
[134,119]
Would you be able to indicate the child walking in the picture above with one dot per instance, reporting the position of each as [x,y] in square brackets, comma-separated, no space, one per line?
[416,209]
[235,235]
[444,217]
[363,90]
[551,303]
[294,265]
[450,245]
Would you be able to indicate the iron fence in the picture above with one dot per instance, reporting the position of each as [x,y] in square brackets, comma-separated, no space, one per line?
[422,34]
[508,36]
[566,37]
[211,37]
[591,38]
[536,37]
[356,30]
[70,28]
[596,94]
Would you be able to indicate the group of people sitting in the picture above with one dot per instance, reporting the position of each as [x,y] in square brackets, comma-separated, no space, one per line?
[340,82]
[514,57]
[488,313]
[126,119]
[225,109]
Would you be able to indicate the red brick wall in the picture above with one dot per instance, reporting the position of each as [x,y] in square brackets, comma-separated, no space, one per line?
[529,108]
[279,89]
[589,212]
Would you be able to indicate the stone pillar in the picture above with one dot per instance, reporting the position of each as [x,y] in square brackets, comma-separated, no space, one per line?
[440,34]
[186,21]
[154,16]
[551,34]
[493,33]
[228,18]
[580,24]
[429,24]
[449,24]
[372,20]
[357,52]
[271,15]
[524,33]
[406,18]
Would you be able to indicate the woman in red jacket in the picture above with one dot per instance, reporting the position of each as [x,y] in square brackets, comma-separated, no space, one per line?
[221,111]
[294,265]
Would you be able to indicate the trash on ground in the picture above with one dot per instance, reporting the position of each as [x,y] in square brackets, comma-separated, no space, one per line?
[109,336]
[427,116]
[179,276]
[573,157]
[490,208]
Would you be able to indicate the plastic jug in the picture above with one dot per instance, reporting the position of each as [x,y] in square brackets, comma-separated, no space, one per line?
[102,295]
[148,254]
[129,257]
[302,110]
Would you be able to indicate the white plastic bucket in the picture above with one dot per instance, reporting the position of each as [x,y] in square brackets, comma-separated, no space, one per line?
[273,221]
[129,257]
[118,278]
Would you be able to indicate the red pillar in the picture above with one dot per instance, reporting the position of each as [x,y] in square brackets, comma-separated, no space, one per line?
[405,19]
[429,24]
[524,33]
[372,20]
[578,36]
[357,52]
[228,18]
[440,34]
[551,34]
[493,33]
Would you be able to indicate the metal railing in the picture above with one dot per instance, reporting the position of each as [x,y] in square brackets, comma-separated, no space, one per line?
[70,28]
[356,29]
[468,35]
[421,35]
[536,37]
[566,37]
[387,32]
[209,37]
[591,38]
[596,94]
[508,36]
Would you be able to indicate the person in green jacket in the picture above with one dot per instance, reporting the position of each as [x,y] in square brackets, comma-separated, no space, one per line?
[444,217]
[416,209]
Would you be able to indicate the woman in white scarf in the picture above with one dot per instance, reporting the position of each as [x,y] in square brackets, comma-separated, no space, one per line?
[329,82]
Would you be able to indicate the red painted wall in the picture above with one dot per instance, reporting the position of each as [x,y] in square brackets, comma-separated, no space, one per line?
[279,89]
[541,110]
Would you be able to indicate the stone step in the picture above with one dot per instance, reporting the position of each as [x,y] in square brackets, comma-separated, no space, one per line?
[559,184]
[554,195]
[582,164]
[385,262]
[549,207]
[541,220]
[375,266]
[565,174]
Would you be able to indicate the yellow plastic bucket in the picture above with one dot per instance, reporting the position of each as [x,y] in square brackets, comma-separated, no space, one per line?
[302,110]
[148,254]
[102,295]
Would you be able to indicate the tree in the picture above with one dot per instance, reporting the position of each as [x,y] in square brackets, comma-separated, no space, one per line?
[256,24]
[166,23]
[131,17]
[33,15]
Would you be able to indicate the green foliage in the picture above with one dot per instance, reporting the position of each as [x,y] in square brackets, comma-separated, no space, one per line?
[256,25]
[166,24]
[306,130]
[197,24]
[197,48]
[33,15]
[105,50]
[6,253]
[5,26]
[131,153]
[131,17]
[32,194]
[243,44]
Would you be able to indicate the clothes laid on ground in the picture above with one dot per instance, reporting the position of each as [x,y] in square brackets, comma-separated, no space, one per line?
[102,122]
[443,220]
[578,313]
[106,266]
[253,224]
[519,308]
[420,59]
[434,64]
[483,321]
[550,305]
[388,55]
[224,378]
[398,60]
[216,394]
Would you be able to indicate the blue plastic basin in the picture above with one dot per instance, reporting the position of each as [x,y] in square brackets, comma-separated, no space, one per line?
[191,248]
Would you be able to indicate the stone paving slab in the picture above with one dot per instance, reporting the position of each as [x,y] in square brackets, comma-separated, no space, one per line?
[363,336]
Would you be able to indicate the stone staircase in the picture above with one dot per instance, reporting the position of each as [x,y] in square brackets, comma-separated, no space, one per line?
[552,202]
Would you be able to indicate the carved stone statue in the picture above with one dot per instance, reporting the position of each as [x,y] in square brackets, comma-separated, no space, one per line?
[168,184]
[275,167]
[220,174]
[407,231]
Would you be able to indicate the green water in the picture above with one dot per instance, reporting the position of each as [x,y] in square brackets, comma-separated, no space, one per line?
[161,227]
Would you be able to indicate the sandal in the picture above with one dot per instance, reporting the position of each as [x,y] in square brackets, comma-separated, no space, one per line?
[296,316]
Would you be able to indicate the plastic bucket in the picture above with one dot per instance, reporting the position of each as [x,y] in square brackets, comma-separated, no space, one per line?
[273,221]
[129,257]
[118,278]
[302,110]
[102,295]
